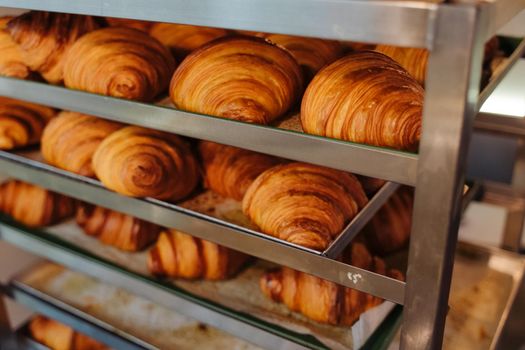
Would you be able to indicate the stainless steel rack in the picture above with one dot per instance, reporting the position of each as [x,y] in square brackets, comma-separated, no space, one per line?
[454,33]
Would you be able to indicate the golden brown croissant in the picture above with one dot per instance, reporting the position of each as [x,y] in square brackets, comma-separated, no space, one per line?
[58,336]
[322,300]
[71,138]
[311,54]
[229,171]
[129,23]
[365,97]
[113,228]
[120,62]
[177,254]
[12,63]
[242,78]
[389,229]
[34,206]
[141,162]
[22,123]
[46,37]
[414,60]
[183,39]
[304,204]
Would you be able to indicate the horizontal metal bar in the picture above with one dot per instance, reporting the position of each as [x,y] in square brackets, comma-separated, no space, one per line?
[366,160]
[203,226]
[80,321]
[362,218]
[499,12]
[513,126]
[155,291]
[404,23]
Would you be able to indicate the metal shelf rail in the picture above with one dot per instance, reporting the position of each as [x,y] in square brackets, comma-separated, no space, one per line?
[454,32]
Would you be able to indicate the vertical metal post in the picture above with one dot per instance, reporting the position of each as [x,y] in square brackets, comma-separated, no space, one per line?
[452,88]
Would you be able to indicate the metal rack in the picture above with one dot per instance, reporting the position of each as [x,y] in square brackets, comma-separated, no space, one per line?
[454,32]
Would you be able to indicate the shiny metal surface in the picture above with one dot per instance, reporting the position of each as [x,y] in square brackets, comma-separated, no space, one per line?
[451,98]
[403,23]
[366,160]
[499,12]
[500,124]
[203,226]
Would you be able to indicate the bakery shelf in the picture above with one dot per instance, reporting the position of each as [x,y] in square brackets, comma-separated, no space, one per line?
[186,298]
[218,231]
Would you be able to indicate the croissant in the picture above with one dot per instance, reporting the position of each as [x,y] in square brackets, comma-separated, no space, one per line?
[113,228]
[144,26]
[58,336]
[46,37]
[389,229]
[302,203]
[22,123]
[229,171]
[321,300]
[177,254]
[183,39]
[311,54]
[71,138]
[120,62]
[141,162]
[34,206]
[370,184]
[12,63]
[242,78]
[365,97]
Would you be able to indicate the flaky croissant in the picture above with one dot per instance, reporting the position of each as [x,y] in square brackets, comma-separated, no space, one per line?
[120,62]
[46,37]
[12,63]
[183,39]
[180,255]
[389,229]
[365,97]
[311,54]
[141,162]
[370,184]
[242,78]
[113,228]
[304,204]
[229,171]
[321,300]
[129,23]
[22,123]
[58,336]
[414,60]
[32,205]
[70,140]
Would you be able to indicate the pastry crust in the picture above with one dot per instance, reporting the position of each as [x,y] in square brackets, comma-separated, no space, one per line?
[12,63]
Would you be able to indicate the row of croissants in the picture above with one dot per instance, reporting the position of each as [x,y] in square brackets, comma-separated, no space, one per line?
[365,96]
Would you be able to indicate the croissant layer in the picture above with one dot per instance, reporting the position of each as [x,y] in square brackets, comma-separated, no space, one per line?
[12,62]
[303,203]
[34,206]
[241,78]
[70,140]
[179,255]
[365,97]
[141,162]
[120,62]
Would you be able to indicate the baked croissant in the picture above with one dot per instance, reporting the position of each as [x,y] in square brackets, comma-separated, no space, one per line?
[389,229]
[34,206]
[304,204]
[322,300]
[22,123]
[120,62]
[241,78]
[229,171]
[113,228]
[71,138]
[46,37]
[370,184]
[365,97]
[141,162]
[58,336]
[180,255]
[183,39]
[311,54]
[144,26]
[12,63]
